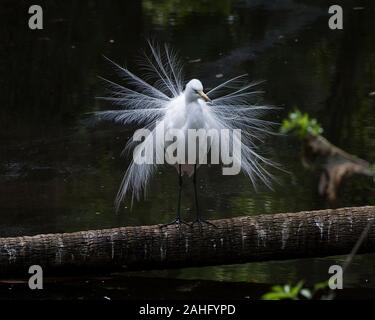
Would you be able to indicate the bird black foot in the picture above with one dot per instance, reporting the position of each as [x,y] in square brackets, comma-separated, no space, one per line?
[200,222]
[178,222]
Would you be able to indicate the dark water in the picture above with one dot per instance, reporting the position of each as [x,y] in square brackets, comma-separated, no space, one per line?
[57,174]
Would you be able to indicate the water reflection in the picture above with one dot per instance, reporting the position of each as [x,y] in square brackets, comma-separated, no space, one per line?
[60,175]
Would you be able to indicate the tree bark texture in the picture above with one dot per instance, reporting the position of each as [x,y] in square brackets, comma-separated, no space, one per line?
[236,240]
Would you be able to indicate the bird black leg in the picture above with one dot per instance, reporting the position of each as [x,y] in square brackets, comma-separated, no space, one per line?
[178,220]
[199,219]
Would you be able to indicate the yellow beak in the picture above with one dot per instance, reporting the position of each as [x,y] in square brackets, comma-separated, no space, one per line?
[204,96]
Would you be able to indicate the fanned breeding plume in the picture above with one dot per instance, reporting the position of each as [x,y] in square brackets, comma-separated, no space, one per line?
[160,99]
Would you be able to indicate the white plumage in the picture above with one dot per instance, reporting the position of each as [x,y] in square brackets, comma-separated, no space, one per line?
[166,101]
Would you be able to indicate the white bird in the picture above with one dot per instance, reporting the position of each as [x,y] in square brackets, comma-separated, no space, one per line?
[167,102]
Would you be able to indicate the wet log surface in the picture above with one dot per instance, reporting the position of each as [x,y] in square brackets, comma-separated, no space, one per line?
[236,240]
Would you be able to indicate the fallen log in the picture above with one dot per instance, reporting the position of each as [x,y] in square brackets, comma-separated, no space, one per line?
[237,240]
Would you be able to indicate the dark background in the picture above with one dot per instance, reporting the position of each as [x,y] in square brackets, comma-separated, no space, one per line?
[59,174]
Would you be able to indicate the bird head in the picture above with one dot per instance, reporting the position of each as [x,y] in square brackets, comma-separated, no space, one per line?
[194,91]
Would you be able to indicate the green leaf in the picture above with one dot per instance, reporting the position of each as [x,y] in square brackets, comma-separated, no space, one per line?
[278,289]
[300,124]
[321,285]
[296,289]
[277,296]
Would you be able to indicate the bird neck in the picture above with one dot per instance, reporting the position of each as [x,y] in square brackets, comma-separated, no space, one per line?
[189,96]
[192,105]
[191,100]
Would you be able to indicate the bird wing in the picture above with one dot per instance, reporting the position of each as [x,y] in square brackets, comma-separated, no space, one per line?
[236,110]
[164,65]
[143,104]
[139,173]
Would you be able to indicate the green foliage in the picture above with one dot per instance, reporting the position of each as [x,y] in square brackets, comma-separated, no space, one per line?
[297,292]
[301,124]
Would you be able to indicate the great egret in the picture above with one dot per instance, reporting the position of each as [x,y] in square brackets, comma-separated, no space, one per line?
[166,102]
